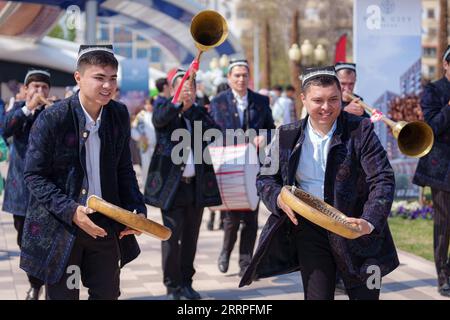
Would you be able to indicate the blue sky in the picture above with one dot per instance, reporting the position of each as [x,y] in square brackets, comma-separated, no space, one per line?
[381,60]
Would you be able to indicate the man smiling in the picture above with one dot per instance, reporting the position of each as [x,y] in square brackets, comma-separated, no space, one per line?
[78,148]
[337,157]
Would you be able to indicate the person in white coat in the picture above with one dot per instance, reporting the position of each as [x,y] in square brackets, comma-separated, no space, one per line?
[143,132]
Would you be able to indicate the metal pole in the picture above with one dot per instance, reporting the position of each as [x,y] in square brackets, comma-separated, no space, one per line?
[91,22]
[256,57]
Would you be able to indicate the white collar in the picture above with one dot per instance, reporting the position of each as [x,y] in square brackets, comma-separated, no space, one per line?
[238,97]
[316,134]
[88,117]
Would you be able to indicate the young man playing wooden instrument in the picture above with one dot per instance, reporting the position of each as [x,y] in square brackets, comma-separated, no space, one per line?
[80,147]
[337,157]
[17,125]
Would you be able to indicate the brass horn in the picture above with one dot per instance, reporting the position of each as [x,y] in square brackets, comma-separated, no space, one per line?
[415,139]
[209,30]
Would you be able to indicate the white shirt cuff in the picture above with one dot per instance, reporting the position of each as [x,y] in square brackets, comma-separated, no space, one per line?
[371,226]
[26,111]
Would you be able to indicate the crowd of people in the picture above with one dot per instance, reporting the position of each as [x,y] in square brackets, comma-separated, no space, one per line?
[62,151]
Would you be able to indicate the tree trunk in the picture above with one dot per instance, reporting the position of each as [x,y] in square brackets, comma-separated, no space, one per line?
[266,60]
[295,66]
[443,36]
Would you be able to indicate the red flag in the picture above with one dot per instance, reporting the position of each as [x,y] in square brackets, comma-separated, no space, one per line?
[341,49]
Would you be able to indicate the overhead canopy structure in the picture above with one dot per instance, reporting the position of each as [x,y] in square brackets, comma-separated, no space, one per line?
[56,55]
[164,21]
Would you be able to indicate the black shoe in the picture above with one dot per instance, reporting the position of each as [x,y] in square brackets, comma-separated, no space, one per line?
[210,225]
[224,261]
[444,290]
[173,294]
[33,294]
[241,272]
[189,293]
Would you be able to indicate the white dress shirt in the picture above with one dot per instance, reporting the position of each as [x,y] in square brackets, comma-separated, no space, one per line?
[189,169]
[310,173]
[26,111]
[92,147]
[241,105]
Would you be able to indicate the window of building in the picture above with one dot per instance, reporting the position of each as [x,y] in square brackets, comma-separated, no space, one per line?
[432,71]
[432,32]
[124,50]
[140,38]
[121,34]
[104,32]
[155,54]
[142,53]
[429,52]
[430,13]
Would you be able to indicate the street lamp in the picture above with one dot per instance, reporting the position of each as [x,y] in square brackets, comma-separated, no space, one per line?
[320,55]
[307,50]
[294,53]
[304,56]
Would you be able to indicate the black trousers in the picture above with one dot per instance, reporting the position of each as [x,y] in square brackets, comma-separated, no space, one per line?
[318,267]
[178,253]
[98,263]
[19,222]
[441,234]
[231,223]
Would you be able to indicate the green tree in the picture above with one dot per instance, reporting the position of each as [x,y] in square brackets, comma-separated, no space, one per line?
[57,32]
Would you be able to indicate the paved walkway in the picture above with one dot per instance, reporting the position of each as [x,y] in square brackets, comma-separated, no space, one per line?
[142,278]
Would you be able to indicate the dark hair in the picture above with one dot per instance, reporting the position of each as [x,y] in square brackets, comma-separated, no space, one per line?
[194,81]
[321,81]
[38,77]
[97,58]
[277,87]
[289,87]
[222,87]
[160,83]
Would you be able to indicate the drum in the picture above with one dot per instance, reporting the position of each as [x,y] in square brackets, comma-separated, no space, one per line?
[319,212]
[236,167]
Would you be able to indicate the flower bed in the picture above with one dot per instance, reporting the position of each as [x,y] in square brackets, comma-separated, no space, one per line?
[411,210]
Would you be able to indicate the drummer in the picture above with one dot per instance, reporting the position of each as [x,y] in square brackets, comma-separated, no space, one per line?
[241,108]
[77,148]
[337,157]
[182,188]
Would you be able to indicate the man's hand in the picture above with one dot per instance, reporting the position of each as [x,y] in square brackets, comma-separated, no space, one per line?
[362,224]
[128,230]
[82,220]
[354,107]
[283,206]
[34,102]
